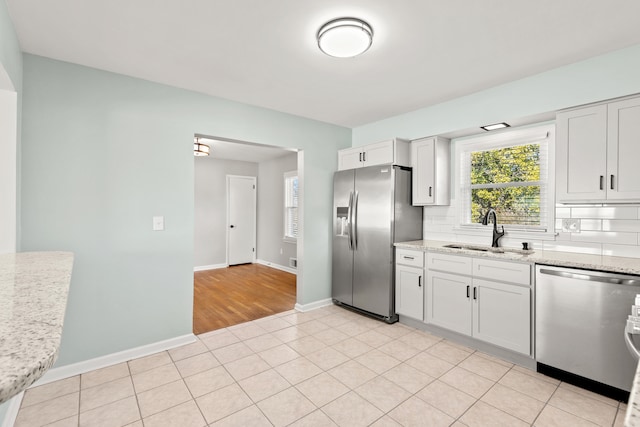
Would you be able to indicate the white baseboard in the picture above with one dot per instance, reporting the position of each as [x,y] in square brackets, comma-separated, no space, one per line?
[13,406]
[277,266]
[314,305]
[210,267]
[73,369]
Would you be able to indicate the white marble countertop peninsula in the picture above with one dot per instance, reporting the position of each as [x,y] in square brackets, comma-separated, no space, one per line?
[33,299]
[610,264]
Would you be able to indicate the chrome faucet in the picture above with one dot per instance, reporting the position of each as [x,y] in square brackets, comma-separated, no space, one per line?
[496,234]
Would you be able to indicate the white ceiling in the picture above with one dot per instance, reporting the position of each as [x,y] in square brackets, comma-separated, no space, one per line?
[239,150]
[263,52]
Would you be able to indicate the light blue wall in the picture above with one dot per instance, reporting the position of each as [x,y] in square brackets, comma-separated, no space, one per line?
[104,153]
[603,77]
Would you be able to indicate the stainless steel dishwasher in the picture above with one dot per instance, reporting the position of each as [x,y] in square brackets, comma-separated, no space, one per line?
[580,322]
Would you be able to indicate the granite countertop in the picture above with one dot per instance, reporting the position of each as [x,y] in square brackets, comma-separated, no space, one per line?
[610,264]
[33,299]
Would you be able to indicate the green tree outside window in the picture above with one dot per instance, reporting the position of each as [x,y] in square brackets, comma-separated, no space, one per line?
[507,180]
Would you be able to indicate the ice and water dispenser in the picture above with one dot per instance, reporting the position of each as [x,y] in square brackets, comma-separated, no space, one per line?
[342,221]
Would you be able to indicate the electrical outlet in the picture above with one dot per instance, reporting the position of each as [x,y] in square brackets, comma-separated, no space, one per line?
[158,223]
[570,225]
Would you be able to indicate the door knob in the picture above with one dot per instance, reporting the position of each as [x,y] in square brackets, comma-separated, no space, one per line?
[232,226]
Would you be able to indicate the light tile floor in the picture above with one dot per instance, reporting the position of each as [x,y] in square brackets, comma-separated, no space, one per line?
[323,368]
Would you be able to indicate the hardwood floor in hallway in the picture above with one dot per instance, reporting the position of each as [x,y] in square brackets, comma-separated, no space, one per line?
[228,296]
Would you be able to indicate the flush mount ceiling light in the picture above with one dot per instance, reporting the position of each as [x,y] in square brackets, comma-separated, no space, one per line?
[345,37]
[495,126]
[200,149]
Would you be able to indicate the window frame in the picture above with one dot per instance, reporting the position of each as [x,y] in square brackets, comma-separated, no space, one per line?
[287,177]
[543,134]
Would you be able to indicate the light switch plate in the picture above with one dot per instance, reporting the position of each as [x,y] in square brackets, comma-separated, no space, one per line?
[570,225]
[158,223]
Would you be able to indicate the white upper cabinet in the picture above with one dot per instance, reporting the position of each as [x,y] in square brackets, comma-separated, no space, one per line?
[623,150]
[394,151]
[581,154]
[430,179]
[350,158]
[596,153]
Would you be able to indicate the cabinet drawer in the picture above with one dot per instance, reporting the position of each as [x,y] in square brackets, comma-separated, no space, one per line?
[410,257]
[449,263]
[503,271]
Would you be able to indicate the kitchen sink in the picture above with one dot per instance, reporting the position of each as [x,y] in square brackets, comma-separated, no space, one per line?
[481,248]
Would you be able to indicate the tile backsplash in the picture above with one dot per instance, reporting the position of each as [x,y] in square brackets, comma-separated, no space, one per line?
[602,230]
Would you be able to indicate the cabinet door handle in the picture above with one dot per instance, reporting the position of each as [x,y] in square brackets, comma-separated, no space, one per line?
[612,182]
[475,293]
[430,188]
[602,182]
[468,290]
[407,257]
[364,156]
[419,281]
[359,157]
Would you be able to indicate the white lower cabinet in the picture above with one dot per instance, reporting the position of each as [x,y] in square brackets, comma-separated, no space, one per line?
[502,315]
[447,301]
[410,283]
[409,291]
[489,310]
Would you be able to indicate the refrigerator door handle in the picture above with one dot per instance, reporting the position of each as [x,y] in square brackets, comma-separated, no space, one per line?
[349,223]
[354,222]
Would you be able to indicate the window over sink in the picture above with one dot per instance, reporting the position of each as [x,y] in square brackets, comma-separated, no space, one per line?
[511,172]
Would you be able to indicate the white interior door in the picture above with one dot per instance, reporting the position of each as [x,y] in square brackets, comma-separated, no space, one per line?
[241,219]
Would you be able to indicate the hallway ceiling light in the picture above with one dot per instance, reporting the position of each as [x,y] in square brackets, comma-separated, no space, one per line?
[345,37]
[200,149]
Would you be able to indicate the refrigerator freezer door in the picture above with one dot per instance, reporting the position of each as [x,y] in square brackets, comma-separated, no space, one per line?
[373,254]
[342,271]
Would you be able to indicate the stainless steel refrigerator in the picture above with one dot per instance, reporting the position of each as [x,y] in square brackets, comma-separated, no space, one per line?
[371,211]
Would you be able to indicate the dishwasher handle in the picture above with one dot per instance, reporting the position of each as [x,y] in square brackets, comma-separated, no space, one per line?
[591,277]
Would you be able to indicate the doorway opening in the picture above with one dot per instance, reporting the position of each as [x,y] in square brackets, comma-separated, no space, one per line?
[244,261]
